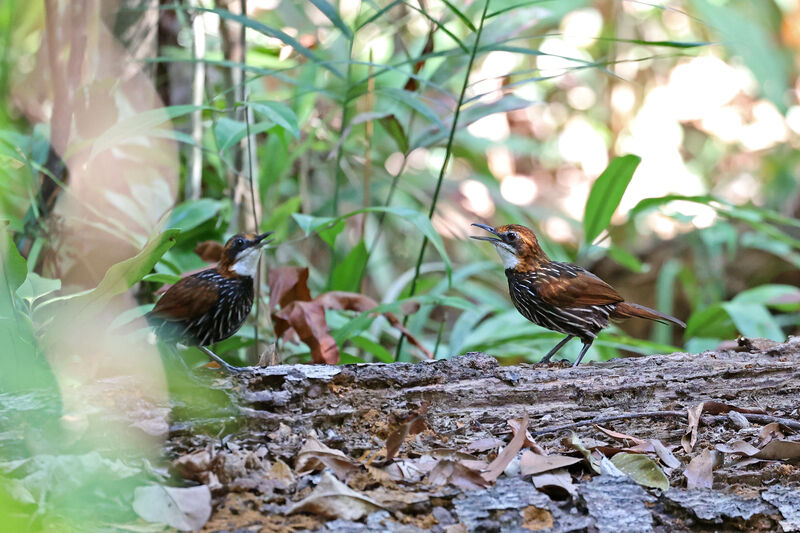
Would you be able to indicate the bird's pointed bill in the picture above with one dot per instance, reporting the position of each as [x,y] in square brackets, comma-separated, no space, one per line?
[483,238]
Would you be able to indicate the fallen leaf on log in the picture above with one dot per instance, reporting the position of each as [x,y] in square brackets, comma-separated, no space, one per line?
[574,442]
[534,463]
[502,460]
[719,408]
[314,455]
[185,509]
[699,472]
[737,446]
[516,425]
[780,450]
[485,444]
[457,474]
[769,432]
[689,438]
[664,454]
[620,436]
[642,469]
[333,499]
[414,423]
[557,484]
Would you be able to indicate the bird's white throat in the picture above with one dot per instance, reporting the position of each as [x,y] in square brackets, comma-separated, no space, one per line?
[247,262]
[509,258]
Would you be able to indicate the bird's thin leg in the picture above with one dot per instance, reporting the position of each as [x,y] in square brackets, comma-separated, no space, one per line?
[583,352]
[220,360]
[556,348]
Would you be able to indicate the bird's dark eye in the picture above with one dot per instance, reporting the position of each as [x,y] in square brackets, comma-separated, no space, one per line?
[511,236]
[239,242]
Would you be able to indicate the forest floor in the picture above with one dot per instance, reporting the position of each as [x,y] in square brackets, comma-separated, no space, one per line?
[680,442]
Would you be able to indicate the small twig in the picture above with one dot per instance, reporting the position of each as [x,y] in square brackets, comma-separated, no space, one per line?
[706,419]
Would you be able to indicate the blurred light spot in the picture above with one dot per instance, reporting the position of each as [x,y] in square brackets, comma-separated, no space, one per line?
[744,188]
[417,159]
[574,202]
[663,226]
[675,21]
[630,62]
[493,127]
[580,143]
[488,80]
[477,197]
[724,123]
[435,158]
[581,97]
[394,163]
[767,128]
[703,216]
[622,98]
[500,161]
[349,8]
[582,26]
[518,190]
[701,85]
[253,6]
[558,229]
[557,59]
[793,118]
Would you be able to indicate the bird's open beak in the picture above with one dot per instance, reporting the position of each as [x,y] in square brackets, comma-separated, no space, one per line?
[490,230]
[259,240]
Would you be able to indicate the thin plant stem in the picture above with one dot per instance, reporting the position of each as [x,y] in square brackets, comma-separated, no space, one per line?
[442,170]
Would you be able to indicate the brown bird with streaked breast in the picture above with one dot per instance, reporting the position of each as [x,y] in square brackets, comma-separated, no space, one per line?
[560,296]
[210,306]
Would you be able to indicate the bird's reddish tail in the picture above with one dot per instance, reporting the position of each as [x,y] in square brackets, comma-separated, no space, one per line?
[631,310]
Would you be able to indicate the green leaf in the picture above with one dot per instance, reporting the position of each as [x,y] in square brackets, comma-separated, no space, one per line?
[120,277]
[395,131]
[279,113]
[766,294]
[15,269]
[641,469]
[346,276]
[606,194]
[329,234]
[35,286]
[329,11]
[311,224]
[711,322]
[627,259]
[162,277]
[461,16]
[278,220]
[230,132]
[413,101]
[192,213]
[753,320]
[381,353]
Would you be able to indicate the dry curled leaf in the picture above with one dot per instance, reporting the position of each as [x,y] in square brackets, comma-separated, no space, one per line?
[770,432]
[557,484]
[209,251]
[307,320]
[534,463]
[620,436]
[699,471]
[314,455]
[287,285]
[457,474]
[496,467]
[783,450]
[689,438]
[413,424]
[185,509]
[719,408]
[333,499]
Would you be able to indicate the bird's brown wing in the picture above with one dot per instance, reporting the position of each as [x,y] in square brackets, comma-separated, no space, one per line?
[188,298]
[565,285]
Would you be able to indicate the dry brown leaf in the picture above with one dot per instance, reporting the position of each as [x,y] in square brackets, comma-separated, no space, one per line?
[194,466]
[307,319]
[209,251]
[689,438]
[718,408]
[413,424]
[482,445]
[782,450]
[455,473]
[529,442]
[534,463]
[281,473]
[502,460]
[769,432]
[620,436]
[699,472]
[664,454]
[557,484]
[314,455]
[333,499]
[287,285]
[737,446]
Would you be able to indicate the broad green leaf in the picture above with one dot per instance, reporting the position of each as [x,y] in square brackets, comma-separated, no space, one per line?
[606,194]
[278,220]
[310,224]
[753,320]
[329,234]
[230,132]
[120,277]
[711,322]
[35,286]
[766,294]
[641,469]
[381,353]
[14,267]
[346,275]
[627,259]
[652,203]
[279,113]
[192,213]
[329,11]
[162,277]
